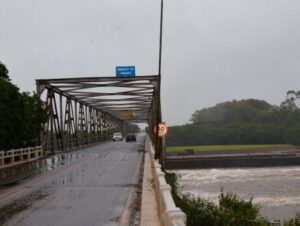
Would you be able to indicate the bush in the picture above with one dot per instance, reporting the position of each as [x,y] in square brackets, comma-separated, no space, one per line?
[232,210]
[293,222]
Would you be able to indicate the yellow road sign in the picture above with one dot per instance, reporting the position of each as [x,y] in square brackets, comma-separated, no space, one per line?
[162,129]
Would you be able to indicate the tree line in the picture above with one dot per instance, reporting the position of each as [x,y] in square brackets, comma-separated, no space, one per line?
[21,115]
[133,128]
[249,121]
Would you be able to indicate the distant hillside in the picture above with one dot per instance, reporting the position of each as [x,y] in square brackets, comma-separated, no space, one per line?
[248,121]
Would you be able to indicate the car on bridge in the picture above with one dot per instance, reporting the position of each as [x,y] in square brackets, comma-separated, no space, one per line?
[117,137]
[131,137]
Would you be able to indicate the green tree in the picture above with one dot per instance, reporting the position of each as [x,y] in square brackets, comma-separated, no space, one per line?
[289,103]
[247,121]
[21,115]
[292,134]
[3,71]
[231,111]
[133,128]
[10,115]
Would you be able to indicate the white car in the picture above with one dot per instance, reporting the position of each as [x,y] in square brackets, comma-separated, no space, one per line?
[117,137]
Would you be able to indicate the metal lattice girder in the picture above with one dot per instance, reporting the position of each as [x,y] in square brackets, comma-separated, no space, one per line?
[95,107]
[130,101]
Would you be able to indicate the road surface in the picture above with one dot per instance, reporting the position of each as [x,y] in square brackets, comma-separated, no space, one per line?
[92,189]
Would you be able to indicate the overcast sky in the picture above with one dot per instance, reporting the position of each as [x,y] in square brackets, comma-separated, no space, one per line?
[213,50]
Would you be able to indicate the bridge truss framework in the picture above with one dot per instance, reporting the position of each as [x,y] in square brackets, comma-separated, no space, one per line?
[87,110]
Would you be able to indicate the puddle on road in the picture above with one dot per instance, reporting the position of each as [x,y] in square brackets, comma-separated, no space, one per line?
[13,175]
[8,211]
[65,180]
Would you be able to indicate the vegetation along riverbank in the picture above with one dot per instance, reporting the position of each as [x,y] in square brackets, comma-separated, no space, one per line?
[231,211]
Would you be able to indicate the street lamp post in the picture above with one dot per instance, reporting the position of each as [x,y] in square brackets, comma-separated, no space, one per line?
[159,141]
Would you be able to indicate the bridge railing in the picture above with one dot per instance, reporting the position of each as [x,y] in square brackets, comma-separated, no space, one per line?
[71,142]
[18,156]
[169,214]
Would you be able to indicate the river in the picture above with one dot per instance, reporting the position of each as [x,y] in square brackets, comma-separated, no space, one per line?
[275,189]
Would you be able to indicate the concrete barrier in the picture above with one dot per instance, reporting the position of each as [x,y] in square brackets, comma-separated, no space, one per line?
[19,156]
[169,214]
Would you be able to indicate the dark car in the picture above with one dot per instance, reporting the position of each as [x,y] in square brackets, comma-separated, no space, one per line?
[131,138]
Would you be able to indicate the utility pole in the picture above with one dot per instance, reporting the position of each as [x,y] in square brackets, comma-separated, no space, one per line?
[160,37]
[159,140]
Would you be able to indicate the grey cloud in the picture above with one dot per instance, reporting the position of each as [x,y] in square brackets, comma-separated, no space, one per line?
[213,50]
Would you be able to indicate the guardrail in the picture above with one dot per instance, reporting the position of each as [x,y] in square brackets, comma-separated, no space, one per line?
[70,143]
[15,157]
[169,214]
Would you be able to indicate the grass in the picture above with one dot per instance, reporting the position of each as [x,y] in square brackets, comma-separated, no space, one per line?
[226,147]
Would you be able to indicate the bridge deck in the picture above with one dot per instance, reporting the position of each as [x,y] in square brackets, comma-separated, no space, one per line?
[91,190]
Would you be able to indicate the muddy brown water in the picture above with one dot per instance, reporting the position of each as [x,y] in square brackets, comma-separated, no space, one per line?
[275,189]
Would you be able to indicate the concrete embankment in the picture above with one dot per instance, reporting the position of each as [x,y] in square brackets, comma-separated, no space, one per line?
[235,159]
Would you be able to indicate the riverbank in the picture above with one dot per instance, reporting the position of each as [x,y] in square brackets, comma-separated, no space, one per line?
[231,210]
[274,189]
[175,150]
[289,156]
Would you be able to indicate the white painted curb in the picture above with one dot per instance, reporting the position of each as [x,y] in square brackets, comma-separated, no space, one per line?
[169,214]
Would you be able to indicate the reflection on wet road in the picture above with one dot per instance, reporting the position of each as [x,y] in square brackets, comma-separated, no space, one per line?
[83,187]
[13,175]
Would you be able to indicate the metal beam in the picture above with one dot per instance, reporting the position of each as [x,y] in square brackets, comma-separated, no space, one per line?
[97,116]
[96,79]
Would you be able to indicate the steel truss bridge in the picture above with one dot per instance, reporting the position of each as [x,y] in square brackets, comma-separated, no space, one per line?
[87,110]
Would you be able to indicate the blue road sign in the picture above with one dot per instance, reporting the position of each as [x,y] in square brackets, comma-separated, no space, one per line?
[125,71]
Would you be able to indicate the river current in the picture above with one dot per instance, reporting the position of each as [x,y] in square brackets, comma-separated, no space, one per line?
[275,189]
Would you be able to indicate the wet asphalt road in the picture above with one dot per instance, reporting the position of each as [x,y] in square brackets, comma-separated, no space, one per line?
[91,190]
